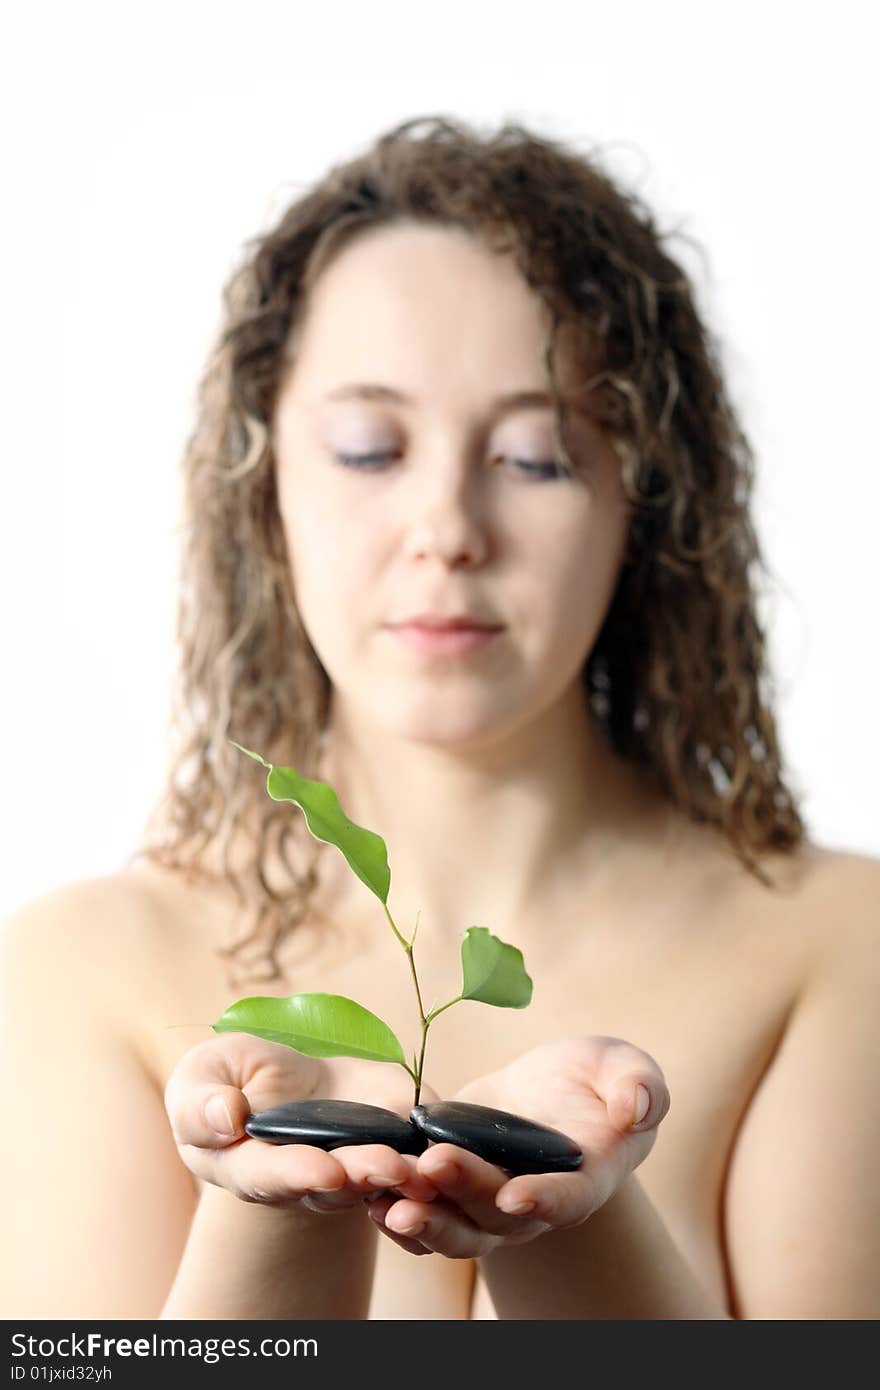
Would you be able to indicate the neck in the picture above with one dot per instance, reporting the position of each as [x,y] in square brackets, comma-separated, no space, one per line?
[497,833]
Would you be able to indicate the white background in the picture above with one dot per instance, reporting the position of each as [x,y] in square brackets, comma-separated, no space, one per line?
[144,147]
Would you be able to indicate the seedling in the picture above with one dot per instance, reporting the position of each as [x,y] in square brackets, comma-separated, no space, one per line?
[330,1025]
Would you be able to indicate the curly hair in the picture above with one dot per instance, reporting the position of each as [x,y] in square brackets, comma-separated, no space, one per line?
[676,681]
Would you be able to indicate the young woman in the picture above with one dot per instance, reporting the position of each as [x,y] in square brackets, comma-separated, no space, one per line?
[462,379]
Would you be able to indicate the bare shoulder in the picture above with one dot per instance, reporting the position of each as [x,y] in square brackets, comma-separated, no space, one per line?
[815,893]
[84,920]
[846,889]
[106,937]
[835,898]
[842,913]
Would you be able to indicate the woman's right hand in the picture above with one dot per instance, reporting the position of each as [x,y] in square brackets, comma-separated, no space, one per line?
[242,1074]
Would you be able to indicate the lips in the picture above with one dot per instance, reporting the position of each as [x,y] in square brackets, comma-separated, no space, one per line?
[430,622]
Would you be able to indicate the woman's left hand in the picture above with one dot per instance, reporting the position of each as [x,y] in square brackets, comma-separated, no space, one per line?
[585,1087]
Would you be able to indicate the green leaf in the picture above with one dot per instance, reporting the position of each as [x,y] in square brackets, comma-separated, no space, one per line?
[492,971]
[366,853]
[319,1025]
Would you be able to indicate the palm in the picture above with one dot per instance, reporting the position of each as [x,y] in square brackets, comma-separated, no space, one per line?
[582,1086]
[551,1076]
[272,1074]
[554,1085]
[268,1073]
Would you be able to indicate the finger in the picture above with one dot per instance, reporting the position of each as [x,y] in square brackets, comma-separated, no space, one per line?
[472,1185]
[369,1167]
[359,1169]
[460,1174]
[204,1096]
[641,1101]
[558,1199]
[212,1116]
[416,1185]
[623,1068]
[549,1199]
[443,1228]
[378,1207]
[372,1169]
[327,1182]
[449,1162]
[328,1202]
[275,1174]
[203,1106]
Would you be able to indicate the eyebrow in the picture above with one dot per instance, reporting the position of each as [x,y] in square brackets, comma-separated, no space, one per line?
[502,405]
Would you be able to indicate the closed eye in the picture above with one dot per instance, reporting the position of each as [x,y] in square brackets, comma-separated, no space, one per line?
[369,462]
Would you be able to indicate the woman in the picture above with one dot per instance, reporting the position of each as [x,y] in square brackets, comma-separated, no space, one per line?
[462,378]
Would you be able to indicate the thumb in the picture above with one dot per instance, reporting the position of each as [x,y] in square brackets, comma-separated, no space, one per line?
[640,1102]
[212,1118]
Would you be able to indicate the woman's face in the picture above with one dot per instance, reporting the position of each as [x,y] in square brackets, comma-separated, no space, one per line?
[456,515]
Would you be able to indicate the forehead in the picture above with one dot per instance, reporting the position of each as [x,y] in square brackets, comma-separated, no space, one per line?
[422,304]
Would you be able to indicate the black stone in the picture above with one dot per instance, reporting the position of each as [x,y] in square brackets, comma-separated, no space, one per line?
[515,1144]
[327,1124]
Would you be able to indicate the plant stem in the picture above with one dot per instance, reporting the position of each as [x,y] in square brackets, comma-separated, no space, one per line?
[434,1012]
[426,1019]
[404,943]
[425,1022]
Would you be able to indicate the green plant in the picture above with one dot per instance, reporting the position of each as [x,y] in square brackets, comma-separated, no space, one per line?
[329,1025]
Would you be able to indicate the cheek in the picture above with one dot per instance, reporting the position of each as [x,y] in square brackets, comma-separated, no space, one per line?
[309,532]
[330,562]
[583,567]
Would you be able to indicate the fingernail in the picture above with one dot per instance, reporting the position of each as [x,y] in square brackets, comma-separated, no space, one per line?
[413,1230]
[642,1104]
[218,1116]
[519,1208]
[378,1181]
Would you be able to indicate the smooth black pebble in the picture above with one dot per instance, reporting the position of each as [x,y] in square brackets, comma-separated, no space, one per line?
[329,1123]
[513,1143]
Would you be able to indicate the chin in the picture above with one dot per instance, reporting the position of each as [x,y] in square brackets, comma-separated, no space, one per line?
[435,725]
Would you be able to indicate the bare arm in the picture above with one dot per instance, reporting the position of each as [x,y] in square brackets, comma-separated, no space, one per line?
[250,1262]
[802,1204]
[96,1205]
[620,1264]
[100,1214]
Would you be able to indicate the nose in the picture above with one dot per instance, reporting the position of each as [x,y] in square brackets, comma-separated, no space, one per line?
[447,527]
[447,507]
